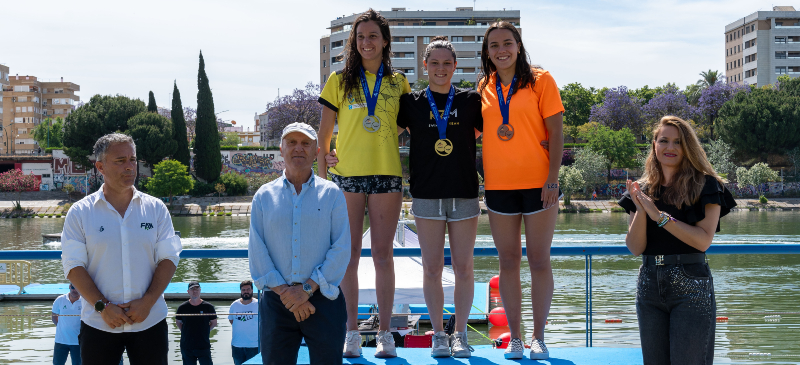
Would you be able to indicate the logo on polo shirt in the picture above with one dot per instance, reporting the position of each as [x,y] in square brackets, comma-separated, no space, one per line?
[102,229]
[147,226]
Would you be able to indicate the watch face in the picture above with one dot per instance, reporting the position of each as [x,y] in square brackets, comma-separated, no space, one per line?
[307,287]
[99,306]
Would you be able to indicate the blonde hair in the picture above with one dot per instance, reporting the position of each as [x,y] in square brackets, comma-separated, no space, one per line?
[689,179]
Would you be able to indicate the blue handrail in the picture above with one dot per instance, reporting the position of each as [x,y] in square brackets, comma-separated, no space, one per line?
[727,249]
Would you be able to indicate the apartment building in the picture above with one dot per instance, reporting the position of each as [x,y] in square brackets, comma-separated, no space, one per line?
[26,102]
[3,86]
[411,33]
[763,46]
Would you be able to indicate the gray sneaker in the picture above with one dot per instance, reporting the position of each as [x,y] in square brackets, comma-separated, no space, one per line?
[440,347]
[539,350]
[460,347]
[515,349]
[385,348]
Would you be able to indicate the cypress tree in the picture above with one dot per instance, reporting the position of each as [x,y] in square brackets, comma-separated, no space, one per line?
[179,128]
[151,105]
[208,160]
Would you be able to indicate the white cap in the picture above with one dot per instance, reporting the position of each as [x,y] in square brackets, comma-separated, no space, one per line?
[300,127]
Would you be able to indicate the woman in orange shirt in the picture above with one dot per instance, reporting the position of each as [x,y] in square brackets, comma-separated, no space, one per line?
[521,180]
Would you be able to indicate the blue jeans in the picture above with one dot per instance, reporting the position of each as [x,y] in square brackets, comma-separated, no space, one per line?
[677,314]
[60,352]
[281,334]
[242,354]
[192,357]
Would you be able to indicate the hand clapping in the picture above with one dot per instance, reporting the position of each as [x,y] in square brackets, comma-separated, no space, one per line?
[642,201]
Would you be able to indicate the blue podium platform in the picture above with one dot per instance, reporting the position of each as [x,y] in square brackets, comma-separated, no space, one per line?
[486,355]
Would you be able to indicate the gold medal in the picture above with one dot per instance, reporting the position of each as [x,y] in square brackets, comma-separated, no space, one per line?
[443,147]
[505,132]
[372,124]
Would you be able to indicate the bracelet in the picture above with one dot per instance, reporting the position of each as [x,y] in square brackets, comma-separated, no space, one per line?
[664,218]
[552,186]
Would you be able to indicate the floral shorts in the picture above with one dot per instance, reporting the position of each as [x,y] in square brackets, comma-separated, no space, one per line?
[372,184]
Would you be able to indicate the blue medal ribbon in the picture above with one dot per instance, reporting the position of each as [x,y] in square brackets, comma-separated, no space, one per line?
[504,103]
[372,99]
[441,121]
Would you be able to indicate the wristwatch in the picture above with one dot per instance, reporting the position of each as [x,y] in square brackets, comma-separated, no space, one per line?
[308,289]
[100,305]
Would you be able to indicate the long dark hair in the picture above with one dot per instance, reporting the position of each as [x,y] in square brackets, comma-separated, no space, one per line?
[525,75]
[352,69]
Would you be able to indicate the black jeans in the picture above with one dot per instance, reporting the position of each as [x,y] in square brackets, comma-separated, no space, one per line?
[148,347]
[677,314]
[281,334]
[242,354]
[193,356]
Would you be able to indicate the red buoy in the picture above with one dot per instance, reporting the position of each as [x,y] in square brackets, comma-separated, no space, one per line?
[498,317]
[497,331]
[722,319]
[494,282]
[502,341]
[613,320]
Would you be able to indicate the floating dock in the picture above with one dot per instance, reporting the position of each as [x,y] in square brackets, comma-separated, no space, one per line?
[486,355]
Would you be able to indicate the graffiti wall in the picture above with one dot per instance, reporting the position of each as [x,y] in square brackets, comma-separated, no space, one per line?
[244,162]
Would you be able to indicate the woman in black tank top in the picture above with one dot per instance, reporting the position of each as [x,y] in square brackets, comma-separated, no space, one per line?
[674,212]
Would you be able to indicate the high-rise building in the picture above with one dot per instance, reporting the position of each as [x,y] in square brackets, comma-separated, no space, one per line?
[763,46]
[3,87]
[26,102]
[411,33]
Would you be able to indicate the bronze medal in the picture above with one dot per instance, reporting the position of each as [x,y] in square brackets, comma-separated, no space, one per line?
[505,132]
[371,123]
[443,147]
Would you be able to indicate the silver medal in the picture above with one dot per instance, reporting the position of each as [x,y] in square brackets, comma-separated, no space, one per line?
[372,124]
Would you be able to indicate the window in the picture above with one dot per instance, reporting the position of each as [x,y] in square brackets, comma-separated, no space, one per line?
[479,38]
[324,49]
[780,55]
[455,23]
[415,24]
[426,40]
[459,71]
[456,39]
[324,78]
[324,63]
[778,24]
[18,110]
[30,109]
[794,55]
[429,23]
[780,39]
[401,24]
[22,88]
[781,70]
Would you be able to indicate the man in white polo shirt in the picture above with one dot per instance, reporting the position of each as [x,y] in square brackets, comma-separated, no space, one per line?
[244,343]
[120,250]
[67,327]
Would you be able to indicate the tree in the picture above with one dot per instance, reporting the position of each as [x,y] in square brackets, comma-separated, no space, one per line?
[762,122]
[420,84]
[618,147]
[170,178]
[793,156]
[756,176]
[693,93]
[668,101]
[711,101]
[720,154]
[619,110]
[591,164]
[644,94]
[190,116]
[153,136]
[151,104]
[208,160]
[179,128]
[15,181]
[709,78]
[299,106]
[570,180]
[229,139]
[578,103]
[100,116]
[464,84]
[49,134]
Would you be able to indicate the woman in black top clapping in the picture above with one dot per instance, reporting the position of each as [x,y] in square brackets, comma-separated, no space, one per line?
[674,212]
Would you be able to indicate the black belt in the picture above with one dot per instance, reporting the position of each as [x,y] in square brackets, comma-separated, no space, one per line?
[687,258]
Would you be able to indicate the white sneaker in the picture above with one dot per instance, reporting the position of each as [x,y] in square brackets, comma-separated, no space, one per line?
[515,349]
[352,344]
[460,346]
[539,350]
[441,346]
[385,348]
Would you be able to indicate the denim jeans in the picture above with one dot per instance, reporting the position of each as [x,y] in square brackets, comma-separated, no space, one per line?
[60,352]
[677,314]
[242,354]
[281,334]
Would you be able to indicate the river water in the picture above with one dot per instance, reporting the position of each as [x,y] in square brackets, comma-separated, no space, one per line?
[743,283]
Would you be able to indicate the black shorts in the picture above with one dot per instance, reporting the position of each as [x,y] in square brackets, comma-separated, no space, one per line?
[514,202]
[373,184]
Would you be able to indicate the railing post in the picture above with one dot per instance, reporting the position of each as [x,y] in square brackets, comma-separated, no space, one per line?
[588,313]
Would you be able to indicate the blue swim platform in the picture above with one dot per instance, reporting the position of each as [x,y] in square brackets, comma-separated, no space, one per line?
[486,355]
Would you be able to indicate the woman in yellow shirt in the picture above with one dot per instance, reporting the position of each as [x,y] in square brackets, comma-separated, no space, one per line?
[364,98]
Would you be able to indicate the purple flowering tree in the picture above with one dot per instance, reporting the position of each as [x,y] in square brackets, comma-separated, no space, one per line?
[668,101]
[299,106]
[619,110]
[712,99]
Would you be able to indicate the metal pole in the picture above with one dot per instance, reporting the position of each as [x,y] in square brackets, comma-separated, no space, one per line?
[591,325]
[586,313]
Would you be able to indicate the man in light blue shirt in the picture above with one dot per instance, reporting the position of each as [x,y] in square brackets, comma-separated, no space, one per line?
[299,250]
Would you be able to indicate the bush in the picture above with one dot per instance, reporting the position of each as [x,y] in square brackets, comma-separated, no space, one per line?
[170,178]
[255,181]
[201,189]
[763,199]
[235,184]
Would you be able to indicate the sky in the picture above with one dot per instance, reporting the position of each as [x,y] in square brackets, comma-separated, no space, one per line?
[253,49]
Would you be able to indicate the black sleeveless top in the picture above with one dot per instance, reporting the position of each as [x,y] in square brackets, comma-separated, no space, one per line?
[659,240]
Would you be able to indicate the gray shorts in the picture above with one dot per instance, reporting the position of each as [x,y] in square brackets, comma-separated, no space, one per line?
[448,210]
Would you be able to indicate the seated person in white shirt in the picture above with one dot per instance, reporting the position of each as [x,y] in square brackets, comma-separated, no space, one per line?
[244,342]
[67,327]
[120,250]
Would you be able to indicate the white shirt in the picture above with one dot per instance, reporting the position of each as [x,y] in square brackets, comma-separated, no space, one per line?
[120,254]
[245,327]
[67,328]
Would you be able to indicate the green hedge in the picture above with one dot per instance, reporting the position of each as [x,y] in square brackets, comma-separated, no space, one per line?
[581,145]
[248,148]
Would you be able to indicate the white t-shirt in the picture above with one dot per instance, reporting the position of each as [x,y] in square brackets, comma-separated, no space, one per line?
[68,328]
[245,327]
